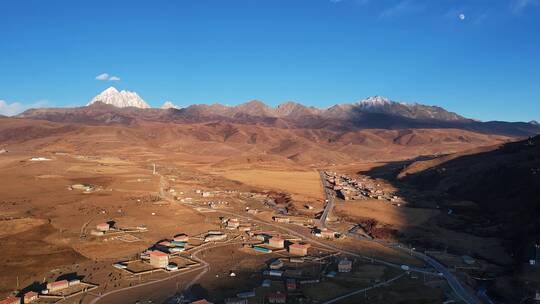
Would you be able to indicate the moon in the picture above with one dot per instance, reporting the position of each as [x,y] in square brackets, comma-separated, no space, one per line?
[461,16]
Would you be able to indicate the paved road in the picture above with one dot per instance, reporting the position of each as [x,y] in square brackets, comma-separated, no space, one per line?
[463,293]
[454,283]
[329,200]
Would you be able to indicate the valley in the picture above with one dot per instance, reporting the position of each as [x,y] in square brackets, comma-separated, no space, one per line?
[100,189]
[208,171]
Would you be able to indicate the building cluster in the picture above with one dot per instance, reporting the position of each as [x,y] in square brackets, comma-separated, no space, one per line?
[103,228]
[270,243]
[282,281]
[236,224]
[159,255]
[348,188]
[55,288]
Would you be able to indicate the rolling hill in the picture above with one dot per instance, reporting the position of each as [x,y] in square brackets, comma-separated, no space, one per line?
[502,180]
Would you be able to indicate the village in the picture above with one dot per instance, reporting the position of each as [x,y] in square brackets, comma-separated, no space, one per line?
[295,263]
[348,188]
[295,256]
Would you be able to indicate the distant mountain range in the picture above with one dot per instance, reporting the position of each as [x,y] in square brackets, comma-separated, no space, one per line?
[375,104]
[123,107]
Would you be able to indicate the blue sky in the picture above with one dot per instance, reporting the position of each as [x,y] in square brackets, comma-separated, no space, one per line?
[484,65]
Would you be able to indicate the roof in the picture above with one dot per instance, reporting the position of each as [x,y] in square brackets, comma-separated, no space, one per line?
[158,253]
[203,301]
[58,283]
[297,245]
[30,294]
[181,237]
[102,225]
[277,295]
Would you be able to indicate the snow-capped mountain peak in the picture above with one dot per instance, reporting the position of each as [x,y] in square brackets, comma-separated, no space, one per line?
[110,90]
[374,101]
[120,99]
[379,104]
[169,105]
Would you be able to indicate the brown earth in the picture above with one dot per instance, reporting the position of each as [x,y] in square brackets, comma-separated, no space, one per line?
[43,222]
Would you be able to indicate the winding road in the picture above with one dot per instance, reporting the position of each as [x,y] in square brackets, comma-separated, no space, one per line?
[455,284]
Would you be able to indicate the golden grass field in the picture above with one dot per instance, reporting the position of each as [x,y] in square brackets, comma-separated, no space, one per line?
[399,217]
[15,226]
[302,185]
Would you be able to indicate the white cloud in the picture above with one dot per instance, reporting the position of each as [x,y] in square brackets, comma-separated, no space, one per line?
[103,76]
[519,5]
[14,108]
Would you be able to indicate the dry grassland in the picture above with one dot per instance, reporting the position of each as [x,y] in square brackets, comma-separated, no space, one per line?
[302,185]
[386,213]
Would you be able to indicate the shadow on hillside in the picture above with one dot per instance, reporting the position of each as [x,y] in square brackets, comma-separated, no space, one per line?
[490,195]
[362,119]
